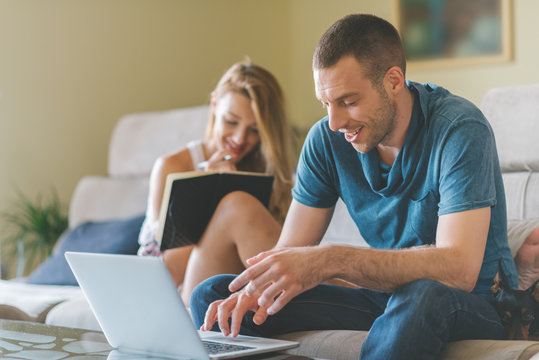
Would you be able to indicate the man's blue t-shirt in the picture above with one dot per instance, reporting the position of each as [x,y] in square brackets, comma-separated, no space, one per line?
[447,164]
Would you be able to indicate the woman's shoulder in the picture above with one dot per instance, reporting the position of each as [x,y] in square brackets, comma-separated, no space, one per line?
[175,162]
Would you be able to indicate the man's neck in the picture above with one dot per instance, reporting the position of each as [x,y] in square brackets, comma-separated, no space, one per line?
[388,150]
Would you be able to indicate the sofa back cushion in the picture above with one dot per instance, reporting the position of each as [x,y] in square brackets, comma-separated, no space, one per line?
[513,113]
[139,139]
[103,198]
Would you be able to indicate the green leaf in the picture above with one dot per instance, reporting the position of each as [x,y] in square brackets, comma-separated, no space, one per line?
[38,224]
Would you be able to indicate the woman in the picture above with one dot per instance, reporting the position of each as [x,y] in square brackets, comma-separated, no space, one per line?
[247,131]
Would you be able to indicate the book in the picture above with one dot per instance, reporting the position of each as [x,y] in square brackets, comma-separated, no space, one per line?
[190,199]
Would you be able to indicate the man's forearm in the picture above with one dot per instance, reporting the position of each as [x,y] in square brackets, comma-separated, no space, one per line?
[385,270]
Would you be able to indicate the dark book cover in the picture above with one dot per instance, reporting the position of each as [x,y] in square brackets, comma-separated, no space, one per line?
[192,197]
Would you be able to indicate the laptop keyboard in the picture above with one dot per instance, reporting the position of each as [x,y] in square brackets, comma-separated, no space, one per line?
[218,348]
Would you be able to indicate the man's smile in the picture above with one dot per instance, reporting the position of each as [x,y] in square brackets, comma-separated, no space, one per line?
[351,136]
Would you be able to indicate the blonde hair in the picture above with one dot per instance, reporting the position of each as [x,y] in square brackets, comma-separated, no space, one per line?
[273,154]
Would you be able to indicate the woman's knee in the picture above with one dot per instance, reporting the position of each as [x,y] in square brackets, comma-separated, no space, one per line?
[240,200]
[236,205]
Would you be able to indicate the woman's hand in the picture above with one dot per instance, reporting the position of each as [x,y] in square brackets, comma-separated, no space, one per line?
[220,161]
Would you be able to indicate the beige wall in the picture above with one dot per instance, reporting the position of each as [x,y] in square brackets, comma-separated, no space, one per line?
[70,68]
[310,18]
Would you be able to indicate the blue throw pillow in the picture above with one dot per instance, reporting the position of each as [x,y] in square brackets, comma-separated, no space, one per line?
[111,237]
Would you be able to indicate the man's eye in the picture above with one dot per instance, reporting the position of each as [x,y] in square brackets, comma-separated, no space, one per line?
[349,103]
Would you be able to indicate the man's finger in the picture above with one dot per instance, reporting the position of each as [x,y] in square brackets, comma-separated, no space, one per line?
[210,317]
[260,315]
[247,275]
[268,296]
[244,304]
[261,256]
[283,299]
[223,314]
[265,285]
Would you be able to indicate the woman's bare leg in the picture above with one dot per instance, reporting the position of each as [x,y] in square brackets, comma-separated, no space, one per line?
[240,228]
[176,261]
[527,261]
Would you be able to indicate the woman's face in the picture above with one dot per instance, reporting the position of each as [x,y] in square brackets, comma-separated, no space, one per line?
[235,130]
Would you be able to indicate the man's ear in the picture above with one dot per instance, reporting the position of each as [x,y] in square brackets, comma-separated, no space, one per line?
[394,78]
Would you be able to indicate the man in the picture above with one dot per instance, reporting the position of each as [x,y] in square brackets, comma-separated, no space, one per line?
[418,170]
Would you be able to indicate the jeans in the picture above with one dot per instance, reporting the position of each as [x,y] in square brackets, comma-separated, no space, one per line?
[414,322]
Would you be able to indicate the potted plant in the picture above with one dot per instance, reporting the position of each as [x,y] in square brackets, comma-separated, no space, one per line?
[33,229]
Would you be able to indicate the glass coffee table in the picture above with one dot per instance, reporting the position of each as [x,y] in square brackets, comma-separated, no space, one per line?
[35,341]
[26,340]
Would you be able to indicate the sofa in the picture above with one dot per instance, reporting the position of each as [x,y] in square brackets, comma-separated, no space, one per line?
[121,195]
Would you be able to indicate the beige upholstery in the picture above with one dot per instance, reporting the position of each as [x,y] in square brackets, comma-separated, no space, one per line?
[346,345]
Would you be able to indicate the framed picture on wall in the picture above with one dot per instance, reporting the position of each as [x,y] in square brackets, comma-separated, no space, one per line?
[452,32]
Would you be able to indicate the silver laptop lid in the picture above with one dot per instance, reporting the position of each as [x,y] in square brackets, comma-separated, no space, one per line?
[136,304]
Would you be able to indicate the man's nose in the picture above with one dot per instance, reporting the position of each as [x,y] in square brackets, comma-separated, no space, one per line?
[336,120]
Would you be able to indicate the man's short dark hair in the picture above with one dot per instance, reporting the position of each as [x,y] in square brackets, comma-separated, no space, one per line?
[373,41]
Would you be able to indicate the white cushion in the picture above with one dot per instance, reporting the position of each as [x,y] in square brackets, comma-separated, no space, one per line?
[75,313]
[35,299]
[514,115]
[139,139]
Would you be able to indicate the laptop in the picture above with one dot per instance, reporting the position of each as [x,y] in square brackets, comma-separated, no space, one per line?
[140,311]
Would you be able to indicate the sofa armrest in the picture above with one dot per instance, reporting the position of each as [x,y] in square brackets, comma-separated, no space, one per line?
[513,112]
[522,194]
[33,301]
[98,198]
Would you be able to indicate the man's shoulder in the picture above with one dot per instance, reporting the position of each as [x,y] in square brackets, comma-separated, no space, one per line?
[440,105]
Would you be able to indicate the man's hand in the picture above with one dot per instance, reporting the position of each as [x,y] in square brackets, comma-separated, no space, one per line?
[273,279]
[234,307]
[281,274]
